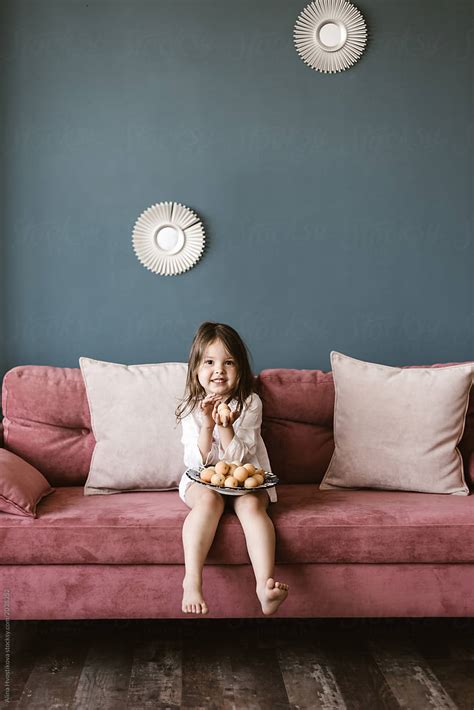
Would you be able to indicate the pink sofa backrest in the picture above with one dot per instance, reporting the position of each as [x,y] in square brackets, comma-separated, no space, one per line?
[46,421]
[298,409]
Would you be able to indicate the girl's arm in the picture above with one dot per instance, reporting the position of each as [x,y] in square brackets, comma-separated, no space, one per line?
[243,443]
[205,440]
[196,452]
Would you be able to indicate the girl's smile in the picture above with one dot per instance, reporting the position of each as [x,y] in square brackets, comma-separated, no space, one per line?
[218,370]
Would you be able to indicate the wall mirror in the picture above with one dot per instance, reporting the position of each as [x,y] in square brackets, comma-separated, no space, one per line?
[168,238]
[330,35]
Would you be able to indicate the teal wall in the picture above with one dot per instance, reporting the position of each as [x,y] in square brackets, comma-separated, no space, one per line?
[337,208]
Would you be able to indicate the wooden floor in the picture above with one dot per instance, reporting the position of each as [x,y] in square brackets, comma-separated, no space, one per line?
[242,664]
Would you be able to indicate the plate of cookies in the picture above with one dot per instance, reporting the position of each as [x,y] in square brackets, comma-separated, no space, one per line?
[233,477]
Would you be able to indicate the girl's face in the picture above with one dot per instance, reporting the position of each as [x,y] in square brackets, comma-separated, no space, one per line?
[218,370]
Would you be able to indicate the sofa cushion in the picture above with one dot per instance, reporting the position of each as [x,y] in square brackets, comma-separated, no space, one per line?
[398,428]
[22,486]
[311,525]
[138,442]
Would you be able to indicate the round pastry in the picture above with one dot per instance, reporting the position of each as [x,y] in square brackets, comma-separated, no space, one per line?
[250,468]
[206,474]
[224,413]
[241,474]
[250,482]
[222,467]
[231,482]
[260,478]
[218,479]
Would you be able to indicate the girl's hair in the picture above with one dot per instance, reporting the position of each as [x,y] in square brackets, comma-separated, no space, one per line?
[206,334]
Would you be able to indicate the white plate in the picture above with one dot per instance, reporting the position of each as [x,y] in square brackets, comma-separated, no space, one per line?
[270,481]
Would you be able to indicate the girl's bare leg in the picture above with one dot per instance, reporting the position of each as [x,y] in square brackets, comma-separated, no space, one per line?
[199,530]
[260,538]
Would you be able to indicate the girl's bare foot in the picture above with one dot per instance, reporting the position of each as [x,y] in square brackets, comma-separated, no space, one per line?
[193,601]
[271,595]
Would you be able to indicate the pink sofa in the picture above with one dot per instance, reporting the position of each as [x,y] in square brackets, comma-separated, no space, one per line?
[344,553]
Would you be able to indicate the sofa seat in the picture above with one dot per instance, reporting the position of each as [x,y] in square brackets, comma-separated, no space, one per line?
[312,526]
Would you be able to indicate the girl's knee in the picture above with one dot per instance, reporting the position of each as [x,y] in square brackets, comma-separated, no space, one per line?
[196,495]
[251,502]
[211,500]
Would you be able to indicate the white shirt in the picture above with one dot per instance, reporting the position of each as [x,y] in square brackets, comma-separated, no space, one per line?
[247,444]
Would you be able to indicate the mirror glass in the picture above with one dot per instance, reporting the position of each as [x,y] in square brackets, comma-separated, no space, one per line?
[330,35]
[167,238]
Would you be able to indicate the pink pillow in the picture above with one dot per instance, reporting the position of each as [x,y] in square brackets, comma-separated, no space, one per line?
[22,486]
[132,408]
[398,428]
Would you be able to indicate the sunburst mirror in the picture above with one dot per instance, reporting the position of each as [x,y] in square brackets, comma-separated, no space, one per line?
[330,35]
[168,238]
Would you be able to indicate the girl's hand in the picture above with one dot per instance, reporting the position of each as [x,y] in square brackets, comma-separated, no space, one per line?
[207,406]
[223,421]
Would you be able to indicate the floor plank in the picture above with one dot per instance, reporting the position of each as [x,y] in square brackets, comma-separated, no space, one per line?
[249,686]
[256,669]
[206,675]
[156,674]
[22,658]
[407,673]
[451,658]
[52,682]
[309,677]
[360,680]
[104,679]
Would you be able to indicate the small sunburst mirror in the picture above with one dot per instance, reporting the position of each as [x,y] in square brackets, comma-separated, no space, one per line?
[168,238]
[330,35]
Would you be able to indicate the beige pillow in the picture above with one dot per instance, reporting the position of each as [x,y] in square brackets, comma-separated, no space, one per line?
[138,444]
[398,428]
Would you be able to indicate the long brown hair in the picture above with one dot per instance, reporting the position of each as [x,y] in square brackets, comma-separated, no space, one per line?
[206,334]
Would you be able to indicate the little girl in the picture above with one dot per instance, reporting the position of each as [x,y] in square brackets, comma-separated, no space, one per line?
[219,371]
